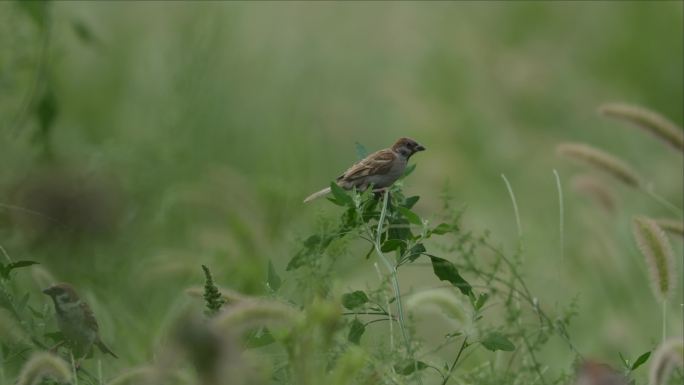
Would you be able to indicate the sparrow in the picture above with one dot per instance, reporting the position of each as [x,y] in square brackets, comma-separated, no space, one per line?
[595,373]
[379,169]
[76,321]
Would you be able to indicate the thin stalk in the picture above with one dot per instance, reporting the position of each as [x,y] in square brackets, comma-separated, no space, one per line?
[389,308]
[561,219]
[453,364]
[664,320]
[516,212]
[664,202]
[395,282]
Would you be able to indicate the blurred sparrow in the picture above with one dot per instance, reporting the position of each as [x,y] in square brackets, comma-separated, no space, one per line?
[379,169]
[594,373]
[76,321]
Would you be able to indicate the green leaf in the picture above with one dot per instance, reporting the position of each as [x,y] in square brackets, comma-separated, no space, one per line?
[441,229]
[481,300]
[410,216]
[82,30]
[409,366]
[273,278]
[641,360]
[496,341]
[354,299]
[356,331]
[7,269]
[411,201]
[391,245]
[361,151]
[415,252]
[341,196]
[37,10]
[446,271]
[259,338]
[54,336]
[408,170]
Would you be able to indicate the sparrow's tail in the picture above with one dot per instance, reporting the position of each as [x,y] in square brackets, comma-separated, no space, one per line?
[317,194]
[104,348]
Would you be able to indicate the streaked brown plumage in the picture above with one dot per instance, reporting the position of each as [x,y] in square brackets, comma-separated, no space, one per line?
[379,169]
[76,321]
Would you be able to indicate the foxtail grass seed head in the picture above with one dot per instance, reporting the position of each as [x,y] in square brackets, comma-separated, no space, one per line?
[648,120]
[445,301]
[600,160]
[668,355]
[672,226]
[44,365]
[136,376]
[229,296]
[11,332]
[657,251]
[596,190]
[255,313]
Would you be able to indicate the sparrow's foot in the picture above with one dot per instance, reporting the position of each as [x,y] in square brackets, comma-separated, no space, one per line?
[378,193]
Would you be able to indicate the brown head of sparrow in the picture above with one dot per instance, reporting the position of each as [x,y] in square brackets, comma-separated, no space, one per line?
[379,169]
[76,321]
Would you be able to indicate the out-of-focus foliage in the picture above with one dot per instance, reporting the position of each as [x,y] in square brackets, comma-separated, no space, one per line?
[140,140]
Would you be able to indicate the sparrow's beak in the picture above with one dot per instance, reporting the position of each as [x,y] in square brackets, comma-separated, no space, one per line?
[48,291]
[420,148]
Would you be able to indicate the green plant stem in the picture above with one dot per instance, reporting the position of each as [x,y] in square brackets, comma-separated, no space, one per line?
[664,202]
[395,283]
[664,320]
[527,295]
[516,212]
[453,364]
[561,220]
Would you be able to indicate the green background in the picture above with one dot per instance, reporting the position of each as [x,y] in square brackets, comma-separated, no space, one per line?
[191,132]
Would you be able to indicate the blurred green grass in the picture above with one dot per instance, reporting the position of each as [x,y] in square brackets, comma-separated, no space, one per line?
[208,123]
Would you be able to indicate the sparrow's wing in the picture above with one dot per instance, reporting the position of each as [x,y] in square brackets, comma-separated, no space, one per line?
[377,163]
[89,317]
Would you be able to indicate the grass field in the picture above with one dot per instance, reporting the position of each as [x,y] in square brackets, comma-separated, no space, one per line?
[142,140]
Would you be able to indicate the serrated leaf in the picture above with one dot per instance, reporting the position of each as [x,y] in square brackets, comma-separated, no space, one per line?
[415,252]
[496,341]
[361,151]
[354,299]
[641,360]
[274,280]
[410,216]
[446,271]
[411,201]
[341,196]
[391,245]
[356,331]
[441,229]
[406,368]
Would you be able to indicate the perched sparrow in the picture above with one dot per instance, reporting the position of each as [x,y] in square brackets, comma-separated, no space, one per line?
[379,169]
[76,321]
[594,373]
